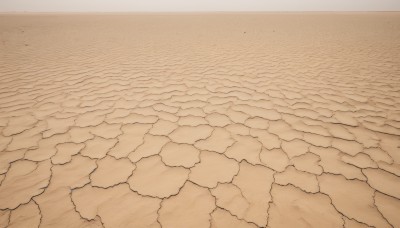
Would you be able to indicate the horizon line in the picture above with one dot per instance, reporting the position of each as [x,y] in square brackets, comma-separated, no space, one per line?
[200,11]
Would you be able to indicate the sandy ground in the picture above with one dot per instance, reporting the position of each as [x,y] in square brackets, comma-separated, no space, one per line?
[199,120]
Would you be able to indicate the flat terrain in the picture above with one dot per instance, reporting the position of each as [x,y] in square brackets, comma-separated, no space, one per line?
[200,120]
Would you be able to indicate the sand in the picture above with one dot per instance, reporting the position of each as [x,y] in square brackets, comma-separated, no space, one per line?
[200,120]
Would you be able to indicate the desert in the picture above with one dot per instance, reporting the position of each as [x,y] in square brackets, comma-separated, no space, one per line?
[200,120]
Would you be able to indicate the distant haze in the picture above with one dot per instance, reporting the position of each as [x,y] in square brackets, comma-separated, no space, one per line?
[195,5]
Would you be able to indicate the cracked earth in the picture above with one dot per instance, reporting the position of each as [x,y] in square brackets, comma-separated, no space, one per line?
[214,120]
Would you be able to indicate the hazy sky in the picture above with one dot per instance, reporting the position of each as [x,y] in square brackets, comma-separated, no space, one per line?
[197,5]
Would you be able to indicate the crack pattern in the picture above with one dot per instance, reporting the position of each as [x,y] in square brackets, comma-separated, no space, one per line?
[166,121]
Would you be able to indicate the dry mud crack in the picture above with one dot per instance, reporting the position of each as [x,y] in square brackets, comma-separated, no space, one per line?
[214,120]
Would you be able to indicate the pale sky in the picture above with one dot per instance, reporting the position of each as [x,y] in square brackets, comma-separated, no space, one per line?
[196,5]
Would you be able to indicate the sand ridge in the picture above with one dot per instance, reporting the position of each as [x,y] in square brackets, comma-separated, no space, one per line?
[200,120]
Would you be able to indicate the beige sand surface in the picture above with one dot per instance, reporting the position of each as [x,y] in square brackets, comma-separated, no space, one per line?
[200,120]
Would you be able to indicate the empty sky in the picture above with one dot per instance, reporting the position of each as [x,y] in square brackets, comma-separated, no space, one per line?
[196,5]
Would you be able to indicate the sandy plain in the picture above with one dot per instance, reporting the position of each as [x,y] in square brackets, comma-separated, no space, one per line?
[200,120]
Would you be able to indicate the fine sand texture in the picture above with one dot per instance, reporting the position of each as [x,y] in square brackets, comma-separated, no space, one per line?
[200,120]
